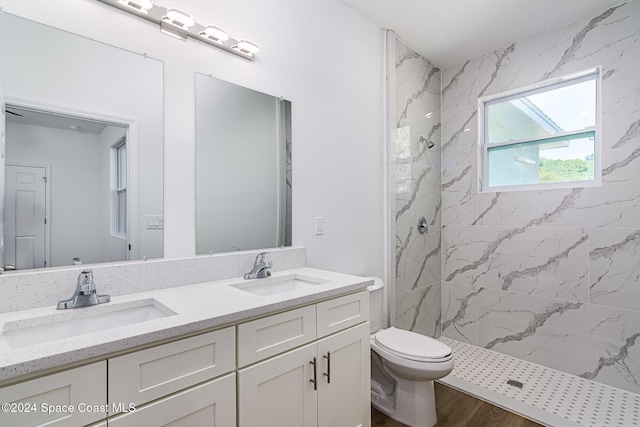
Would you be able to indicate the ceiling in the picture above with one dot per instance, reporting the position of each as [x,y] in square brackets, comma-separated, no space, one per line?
[57,121]
[448,32]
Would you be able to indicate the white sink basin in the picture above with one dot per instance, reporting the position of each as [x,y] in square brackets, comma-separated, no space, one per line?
[278,285]
[80,321]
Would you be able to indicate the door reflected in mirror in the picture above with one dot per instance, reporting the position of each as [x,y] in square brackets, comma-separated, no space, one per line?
[86,119]
[243,168]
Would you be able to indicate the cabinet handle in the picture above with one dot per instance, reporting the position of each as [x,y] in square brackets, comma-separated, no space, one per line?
[328,373]
[315,374]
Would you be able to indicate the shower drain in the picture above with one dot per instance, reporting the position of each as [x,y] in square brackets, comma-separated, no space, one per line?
[565,399]
[515,383]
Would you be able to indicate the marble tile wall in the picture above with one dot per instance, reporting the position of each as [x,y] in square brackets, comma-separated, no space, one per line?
[552,277]
[416,168]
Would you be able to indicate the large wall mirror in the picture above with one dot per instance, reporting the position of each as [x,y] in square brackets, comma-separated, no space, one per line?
[243,168]
[83,149]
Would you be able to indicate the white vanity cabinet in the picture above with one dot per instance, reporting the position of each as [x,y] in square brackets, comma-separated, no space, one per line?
[306,366]
[75,397]
[324,383]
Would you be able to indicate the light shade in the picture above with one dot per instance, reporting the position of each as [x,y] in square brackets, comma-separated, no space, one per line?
[179,18]
[215,33]
[247,47]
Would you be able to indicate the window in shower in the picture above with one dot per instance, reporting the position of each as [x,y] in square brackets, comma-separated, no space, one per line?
[543,136]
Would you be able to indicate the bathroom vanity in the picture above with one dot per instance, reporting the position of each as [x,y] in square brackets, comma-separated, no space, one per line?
[292,349]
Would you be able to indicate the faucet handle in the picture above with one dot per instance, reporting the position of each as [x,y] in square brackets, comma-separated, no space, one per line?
[259,258]
[85,282]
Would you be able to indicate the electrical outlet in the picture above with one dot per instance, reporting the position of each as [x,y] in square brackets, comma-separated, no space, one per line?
[319,226]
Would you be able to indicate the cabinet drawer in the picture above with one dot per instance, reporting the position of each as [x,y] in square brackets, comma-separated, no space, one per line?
[271,335]
[341,313]
[74,389]
[210,404]
[156,372]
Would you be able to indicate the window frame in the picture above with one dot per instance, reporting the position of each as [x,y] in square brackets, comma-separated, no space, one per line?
[118,189]
[543,86]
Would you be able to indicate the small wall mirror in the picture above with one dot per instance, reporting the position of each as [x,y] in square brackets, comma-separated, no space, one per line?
[243,168]
[84,149]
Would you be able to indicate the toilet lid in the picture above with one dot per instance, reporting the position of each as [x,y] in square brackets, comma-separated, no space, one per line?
[411,345]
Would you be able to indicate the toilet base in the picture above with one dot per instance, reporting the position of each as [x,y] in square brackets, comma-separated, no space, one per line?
[413,403]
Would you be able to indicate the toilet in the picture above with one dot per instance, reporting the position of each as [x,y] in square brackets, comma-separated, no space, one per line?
[404,365]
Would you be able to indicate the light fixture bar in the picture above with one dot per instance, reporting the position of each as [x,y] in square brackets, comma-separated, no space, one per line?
[182,25]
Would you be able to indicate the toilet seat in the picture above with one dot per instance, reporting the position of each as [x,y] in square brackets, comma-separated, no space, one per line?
[412,346]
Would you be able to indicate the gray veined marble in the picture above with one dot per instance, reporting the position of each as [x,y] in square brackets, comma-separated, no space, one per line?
[460,312]
[562,207]
[459,86]
[572,52]
[588,340]
[417,80]
[610,40]
[621,127]
[418,264]
[419,310]
[498,58]
[459,169]
[614,261]
[533,260]
[417,191]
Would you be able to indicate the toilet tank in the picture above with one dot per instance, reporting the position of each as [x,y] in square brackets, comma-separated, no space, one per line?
[377,304]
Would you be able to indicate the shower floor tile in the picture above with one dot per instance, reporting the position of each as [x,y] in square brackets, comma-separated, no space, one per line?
[545,395]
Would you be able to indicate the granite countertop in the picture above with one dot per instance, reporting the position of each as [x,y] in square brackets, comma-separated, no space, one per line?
[196,307]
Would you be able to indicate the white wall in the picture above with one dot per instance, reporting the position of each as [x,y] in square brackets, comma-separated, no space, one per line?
[319,54]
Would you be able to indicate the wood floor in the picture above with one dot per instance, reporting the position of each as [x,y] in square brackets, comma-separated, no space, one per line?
[457,409]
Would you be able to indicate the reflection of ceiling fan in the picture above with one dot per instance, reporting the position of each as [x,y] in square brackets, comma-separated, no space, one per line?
[15,114]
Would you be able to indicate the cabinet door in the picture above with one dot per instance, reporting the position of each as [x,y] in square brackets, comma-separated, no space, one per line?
[278,392]
[207,405]
[58,399]
[344,395]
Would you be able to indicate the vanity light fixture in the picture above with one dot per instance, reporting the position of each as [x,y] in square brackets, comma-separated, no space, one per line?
[182,25]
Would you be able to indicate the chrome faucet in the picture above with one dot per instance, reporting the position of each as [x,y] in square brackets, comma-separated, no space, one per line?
[85,294]
[260,268]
